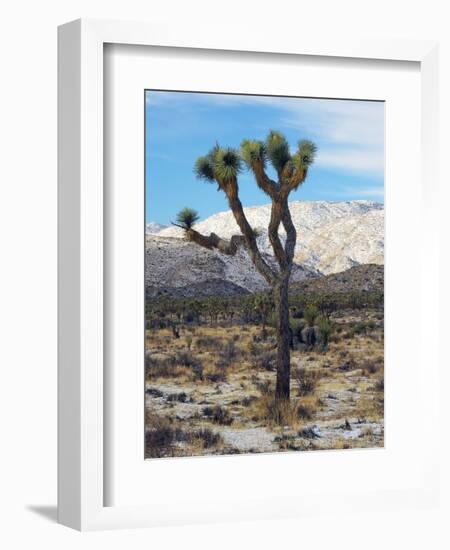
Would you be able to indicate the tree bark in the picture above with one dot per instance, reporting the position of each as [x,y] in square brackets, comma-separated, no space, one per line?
[247,232]
[281,289]
[214,241]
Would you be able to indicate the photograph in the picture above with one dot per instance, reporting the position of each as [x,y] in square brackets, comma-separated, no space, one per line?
[264,273]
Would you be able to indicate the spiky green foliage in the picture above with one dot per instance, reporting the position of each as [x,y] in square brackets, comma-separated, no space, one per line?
[325,329]
[221,164]
[204,168]
[187,217]
[253,151]
[227,164]
[305,155]
[311,313]
[277,150]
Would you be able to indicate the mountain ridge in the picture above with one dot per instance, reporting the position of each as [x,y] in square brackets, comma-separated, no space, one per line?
[332,236]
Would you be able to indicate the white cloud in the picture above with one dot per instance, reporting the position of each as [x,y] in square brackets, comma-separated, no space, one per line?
[374,192]
[349,133]
[368,160]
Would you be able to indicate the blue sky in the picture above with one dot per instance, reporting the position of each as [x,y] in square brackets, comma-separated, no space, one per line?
[181,126]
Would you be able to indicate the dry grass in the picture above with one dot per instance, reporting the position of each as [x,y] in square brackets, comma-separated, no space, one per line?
[163,437]
[268,411]
[229,372]
[307,380]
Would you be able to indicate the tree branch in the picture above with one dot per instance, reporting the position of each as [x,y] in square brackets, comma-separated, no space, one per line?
[292,182]
[178,225]
[276,216]
[263,181]
[231,191]
[291,235]
[214,241]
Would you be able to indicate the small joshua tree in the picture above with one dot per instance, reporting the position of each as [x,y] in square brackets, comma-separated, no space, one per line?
[222,166]
[311,313]
[325,330]
[186,218]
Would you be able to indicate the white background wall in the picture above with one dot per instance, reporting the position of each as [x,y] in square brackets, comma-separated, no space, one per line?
[28,270]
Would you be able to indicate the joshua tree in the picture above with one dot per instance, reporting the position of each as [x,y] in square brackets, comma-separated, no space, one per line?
[222,165]
[186,218]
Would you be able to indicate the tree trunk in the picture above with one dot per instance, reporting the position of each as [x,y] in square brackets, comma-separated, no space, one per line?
[281,289]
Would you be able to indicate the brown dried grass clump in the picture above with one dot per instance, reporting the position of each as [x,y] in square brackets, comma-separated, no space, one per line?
[280,412]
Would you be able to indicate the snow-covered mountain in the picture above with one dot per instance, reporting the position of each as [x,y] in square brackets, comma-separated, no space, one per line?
[176,267]
[154,227]
[331,236]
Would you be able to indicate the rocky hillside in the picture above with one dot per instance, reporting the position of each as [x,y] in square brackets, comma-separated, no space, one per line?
[331,236]
[178,268]
[153,228]
[368,277]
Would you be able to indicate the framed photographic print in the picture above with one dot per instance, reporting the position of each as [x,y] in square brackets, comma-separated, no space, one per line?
[235,287]
[264,324]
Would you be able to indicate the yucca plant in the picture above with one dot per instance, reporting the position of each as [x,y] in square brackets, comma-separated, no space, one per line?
[223,165]
[187,217]
[325,330]
[310,314]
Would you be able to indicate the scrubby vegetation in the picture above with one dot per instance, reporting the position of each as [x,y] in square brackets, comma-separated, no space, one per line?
[211,373]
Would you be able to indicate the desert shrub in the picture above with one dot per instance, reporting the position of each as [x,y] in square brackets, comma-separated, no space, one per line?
[247,400]
[229,351]
[181,397]
[210,343]
[310,314]
[369,367]
[308,433]
[357,329]
[281,412]
[162,438]
[208,437]
[197,371]
[222,368]
[219,374]
[154,392]
[306,380]
[264,386]
[226,357]
[306,408]
[186,359]
[218,415]
[253,348]
[379,384]
[157,366]
[267,360]
[158,442]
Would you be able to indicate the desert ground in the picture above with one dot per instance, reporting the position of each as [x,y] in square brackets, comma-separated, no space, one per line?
[210,377]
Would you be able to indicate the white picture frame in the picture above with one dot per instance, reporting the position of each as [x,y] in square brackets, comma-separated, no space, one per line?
[81,406]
